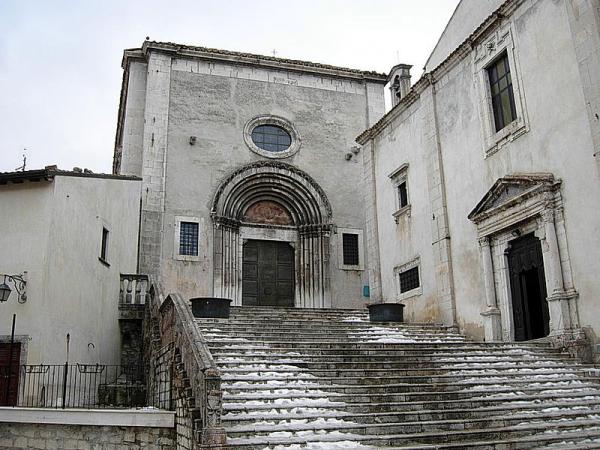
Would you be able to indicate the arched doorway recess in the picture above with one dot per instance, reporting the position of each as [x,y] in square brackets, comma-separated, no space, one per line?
[273,201]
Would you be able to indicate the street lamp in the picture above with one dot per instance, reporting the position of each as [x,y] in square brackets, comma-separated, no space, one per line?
[19,282]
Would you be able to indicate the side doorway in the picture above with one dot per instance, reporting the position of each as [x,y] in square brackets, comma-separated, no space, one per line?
[268,273]
[528,288]
[9,373]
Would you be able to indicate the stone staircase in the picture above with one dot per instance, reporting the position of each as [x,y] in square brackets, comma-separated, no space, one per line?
[329,379]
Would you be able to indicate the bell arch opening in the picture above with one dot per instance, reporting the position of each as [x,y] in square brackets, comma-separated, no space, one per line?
[272,201]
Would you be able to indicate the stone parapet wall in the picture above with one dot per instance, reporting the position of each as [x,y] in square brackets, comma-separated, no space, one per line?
[83,437]
[97,429]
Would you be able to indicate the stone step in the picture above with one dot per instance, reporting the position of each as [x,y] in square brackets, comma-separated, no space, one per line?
[390,379]
[301,345]
[359,357]
[406,351]
[579,428]
[528,410]
[366,395]
[354,369]
[314,327]
[509,402]
[266,334]
[395,388]
[331,337]
[423,426]
[321,322]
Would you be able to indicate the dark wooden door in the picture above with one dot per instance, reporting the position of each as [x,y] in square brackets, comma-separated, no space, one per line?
[528,288]
[268,274]
[13,370]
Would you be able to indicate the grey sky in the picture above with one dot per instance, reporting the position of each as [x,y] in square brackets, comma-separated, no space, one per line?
[60,72]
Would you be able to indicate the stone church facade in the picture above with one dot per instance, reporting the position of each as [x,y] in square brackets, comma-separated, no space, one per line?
[486,174]
[252,181]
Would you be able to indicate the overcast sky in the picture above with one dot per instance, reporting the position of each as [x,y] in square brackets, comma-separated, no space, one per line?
[60,73]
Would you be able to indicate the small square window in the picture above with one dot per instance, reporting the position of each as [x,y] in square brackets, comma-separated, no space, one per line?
[501,91]
[409,279]
[188,238]
[350,249]
[104,245]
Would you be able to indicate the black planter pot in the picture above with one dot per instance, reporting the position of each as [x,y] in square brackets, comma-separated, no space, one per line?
[386,312]
[210,307]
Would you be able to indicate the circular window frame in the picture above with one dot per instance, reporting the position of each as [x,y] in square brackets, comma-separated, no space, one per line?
[276,121]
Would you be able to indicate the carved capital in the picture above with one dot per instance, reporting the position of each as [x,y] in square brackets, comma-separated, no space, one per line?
[484,241]
[547,215]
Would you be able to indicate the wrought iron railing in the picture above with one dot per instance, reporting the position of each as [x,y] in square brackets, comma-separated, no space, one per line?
[79,386]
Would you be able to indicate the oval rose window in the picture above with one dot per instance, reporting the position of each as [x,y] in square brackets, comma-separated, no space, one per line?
[271,138]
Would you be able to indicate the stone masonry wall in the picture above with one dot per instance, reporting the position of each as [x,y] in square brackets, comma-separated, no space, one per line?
[84,437]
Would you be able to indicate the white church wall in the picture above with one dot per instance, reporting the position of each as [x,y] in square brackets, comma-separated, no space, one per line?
[406,237]
[54,232]
[194,114]
[214,108]
[552,134]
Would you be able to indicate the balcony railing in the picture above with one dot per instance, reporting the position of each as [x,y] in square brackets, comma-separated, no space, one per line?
[134,289]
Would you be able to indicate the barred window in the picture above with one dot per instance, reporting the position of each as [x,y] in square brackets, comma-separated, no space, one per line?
[503,100]
[188,238]
[409,279]
[350,249]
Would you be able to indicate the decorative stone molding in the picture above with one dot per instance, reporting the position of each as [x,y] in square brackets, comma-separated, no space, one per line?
[310,217]
[277,121]
[484,54]
[515,205]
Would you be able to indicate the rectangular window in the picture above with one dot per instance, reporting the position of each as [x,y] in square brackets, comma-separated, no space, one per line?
[409,279]
[188,238]
[501,90]
[350,249]
[104,246]
[402,195]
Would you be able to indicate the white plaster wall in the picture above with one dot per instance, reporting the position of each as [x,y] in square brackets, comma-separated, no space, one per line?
[54,232]
[403,143]
[213,101]
[466,18]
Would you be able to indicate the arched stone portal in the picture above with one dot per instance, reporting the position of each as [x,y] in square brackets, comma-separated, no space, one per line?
[272,200]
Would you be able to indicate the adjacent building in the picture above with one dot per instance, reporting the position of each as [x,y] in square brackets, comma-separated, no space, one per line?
[485,175]
[68,236]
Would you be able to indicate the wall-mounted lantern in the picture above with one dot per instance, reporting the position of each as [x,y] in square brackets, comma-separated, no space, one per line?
[19,282]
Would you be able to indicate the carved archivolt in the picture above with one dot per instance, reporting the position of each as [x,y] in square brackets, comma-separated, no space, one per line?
[276,182]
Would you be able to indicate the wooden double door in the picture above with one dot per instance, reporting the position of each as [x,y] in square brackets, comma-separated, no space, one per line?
[528,289]
[267,273]
[9,373]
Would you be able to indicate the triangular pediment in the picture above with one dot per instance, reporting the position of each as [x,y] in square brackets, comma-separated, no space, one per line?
[510,189]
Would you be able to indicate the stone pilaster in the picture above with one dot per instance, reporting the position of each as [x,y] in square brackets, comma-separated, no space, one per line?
[439,224]
[372,225]
[154,160]
[491,313]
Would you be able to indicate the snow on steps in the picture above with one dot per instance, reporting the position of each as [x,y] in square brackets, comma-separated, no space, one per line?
[328,379]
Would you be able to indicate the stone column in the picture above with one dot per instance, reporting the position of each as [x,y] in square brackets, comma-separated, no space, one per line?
[491,313]
[558,302]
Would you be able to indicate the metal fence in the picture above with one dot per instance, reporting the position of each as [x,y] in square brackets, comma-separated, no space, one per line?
[78,386]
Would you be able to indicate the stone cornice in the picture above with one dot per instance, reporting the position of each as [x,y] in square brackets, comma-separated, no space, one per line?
[227,56]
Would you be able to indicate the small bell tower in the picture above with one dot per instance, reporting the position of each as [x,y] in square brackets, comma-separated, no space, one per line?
[399,79]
